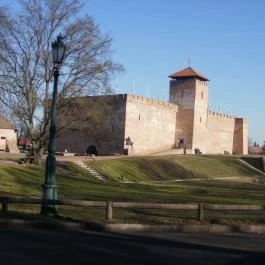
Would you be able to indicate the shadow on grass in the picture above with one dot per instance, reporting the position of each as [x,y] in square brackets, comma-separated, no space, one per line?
[256,162]
[163,169]
[143,169]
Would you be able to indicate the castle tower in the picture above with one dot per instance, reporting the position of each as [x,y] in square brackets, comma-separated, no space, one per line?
[189,90]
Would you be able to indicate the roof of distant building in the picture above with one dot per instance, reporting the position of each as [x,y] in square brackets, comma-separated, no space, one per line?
[24,141]
[187,73]
[5,124]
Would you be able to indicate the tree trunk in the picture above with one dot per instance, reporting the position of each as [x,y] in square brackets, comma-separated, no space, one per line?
[38,154]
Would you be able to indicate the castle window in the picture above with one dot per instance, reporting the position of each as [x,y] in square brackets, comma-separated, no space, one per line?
[202,94]
[3,138]
[200,119]
[113,129]
[139,116]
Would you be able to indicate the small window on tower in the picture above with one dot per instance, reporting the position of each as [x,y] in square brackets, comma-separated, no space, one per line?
[113,128]
[200,119]
[202,94]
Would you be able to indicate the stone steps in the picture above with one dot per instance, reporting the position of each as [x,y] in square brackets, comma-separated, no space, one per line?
[92,171]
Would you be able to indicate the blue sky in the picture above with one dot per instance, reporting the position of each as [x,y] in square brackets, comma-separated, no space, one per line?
[224,39]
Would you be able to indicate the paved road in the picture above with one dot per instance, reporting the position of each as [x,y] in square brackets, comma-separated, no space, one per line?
[236,241]
[26,246]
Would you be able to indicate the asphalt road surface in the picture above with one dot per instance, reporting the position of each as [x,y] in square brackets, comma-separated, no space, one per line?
[36,246]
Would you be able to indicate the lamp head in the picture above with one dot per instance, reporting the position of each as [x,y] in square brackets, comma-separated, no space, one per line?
[58,50]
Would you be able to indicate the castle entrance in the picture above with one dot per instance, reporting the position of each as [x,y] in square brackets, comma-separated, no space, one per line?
[181,142]
[91,150]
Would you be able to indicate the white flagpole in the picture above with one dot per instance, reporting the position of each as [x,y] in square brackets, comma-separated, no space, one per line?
[133,87]
[116,86]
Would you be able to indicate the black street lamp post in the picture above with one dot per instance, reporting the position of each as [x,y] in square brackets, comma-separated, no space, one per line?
[49,186]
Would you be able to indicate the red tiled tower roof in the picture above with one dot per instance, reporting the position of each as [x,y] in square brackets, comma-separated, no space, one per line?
[188,72]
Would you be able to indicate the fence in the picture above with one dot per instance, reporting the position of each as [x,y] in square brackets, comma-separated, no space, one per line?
[109,206]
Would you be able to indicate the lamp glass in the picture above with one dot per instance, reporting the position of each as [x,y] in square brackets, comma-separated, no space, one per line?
[58,50]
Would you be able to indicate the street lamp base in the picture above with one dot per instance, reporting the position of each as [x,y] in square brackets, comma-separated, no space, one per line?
[48,206]
[48,210]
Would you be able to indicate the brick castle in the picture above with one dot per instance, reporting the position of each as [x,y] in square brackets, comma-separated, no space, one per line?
[130,124]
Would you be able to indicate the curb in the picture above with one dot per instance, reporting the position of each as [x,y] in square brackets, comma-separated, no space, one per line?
[126,228]
[184,228]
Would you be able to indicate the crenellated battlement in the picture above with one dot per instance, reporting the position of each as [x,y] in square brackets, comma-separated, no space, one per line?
[224,116]
[127,97]
[180,82]
[220,115]
[202,83]
[188,82]
[149,101]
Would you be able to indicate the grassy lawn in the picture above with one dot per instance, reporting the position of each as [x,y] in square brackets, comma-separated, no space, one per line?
[149,176]
[172,167]
[11,157]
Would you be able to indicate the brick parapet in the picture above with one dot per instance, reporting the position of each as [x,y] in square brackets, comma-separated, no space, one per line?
[223,115]
[191,81]
[149,101]
[135,98]
[220,115]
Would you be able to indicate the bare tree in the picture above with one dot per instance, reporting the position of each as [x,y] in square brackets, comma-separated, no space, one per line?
[93,117]
[26,70]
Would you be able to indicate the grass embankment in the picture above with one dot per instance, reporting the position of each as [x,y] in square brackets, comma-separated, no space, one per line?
[172,167]
[73,182]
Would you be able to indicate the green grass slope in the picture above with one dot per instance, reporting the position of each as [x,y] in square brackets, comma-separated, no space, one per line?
[74,182]
[172,167]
